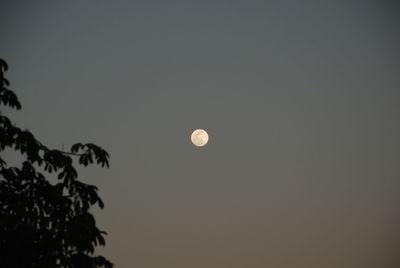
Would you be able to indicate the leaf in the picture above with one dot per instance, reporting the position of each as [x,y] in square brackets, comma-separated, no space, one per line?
[75,148]
[3,65]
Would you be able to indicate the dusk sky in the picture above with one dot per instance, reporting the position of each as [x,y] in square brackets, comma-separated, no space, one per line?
[301,100]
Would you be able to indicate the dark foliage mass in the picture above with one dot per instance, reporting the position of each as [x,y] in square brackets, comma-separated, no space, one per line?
[44,224]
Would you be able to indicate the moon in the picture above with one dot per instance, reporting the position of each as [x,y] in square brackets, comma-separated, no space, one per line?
[199,137]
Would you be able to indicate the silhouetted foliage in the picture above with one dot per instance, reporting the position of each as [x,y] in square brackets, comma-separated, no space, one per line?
[44,224]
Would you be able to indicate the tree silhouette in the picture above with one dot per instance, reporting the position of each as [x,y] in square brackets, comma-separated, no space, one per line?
[44,224]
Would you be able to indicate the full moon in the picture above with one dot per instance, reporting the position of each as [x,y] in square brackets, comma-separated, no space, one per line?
[199,137]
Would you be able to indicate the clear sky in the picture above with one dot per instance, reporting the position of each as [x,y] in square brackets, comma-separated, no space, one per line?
[301,100]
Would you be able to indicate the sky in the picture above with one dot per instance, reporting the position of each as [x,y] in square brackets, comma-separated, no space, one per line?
[301,101]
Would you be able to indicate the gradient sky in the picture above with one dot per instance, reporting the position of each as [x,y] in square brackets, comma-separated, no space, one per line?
[301,100]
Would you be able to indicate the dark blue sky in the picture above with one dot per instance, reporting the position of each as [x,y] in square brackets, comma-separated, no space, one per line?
[301,101]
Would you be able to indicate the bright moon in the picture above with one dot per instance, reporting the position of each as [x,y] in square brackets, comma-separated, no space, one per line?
[199,137]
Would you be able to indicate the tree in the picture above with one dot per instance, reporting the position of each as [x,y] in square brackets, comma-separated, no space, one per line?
[44,224]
